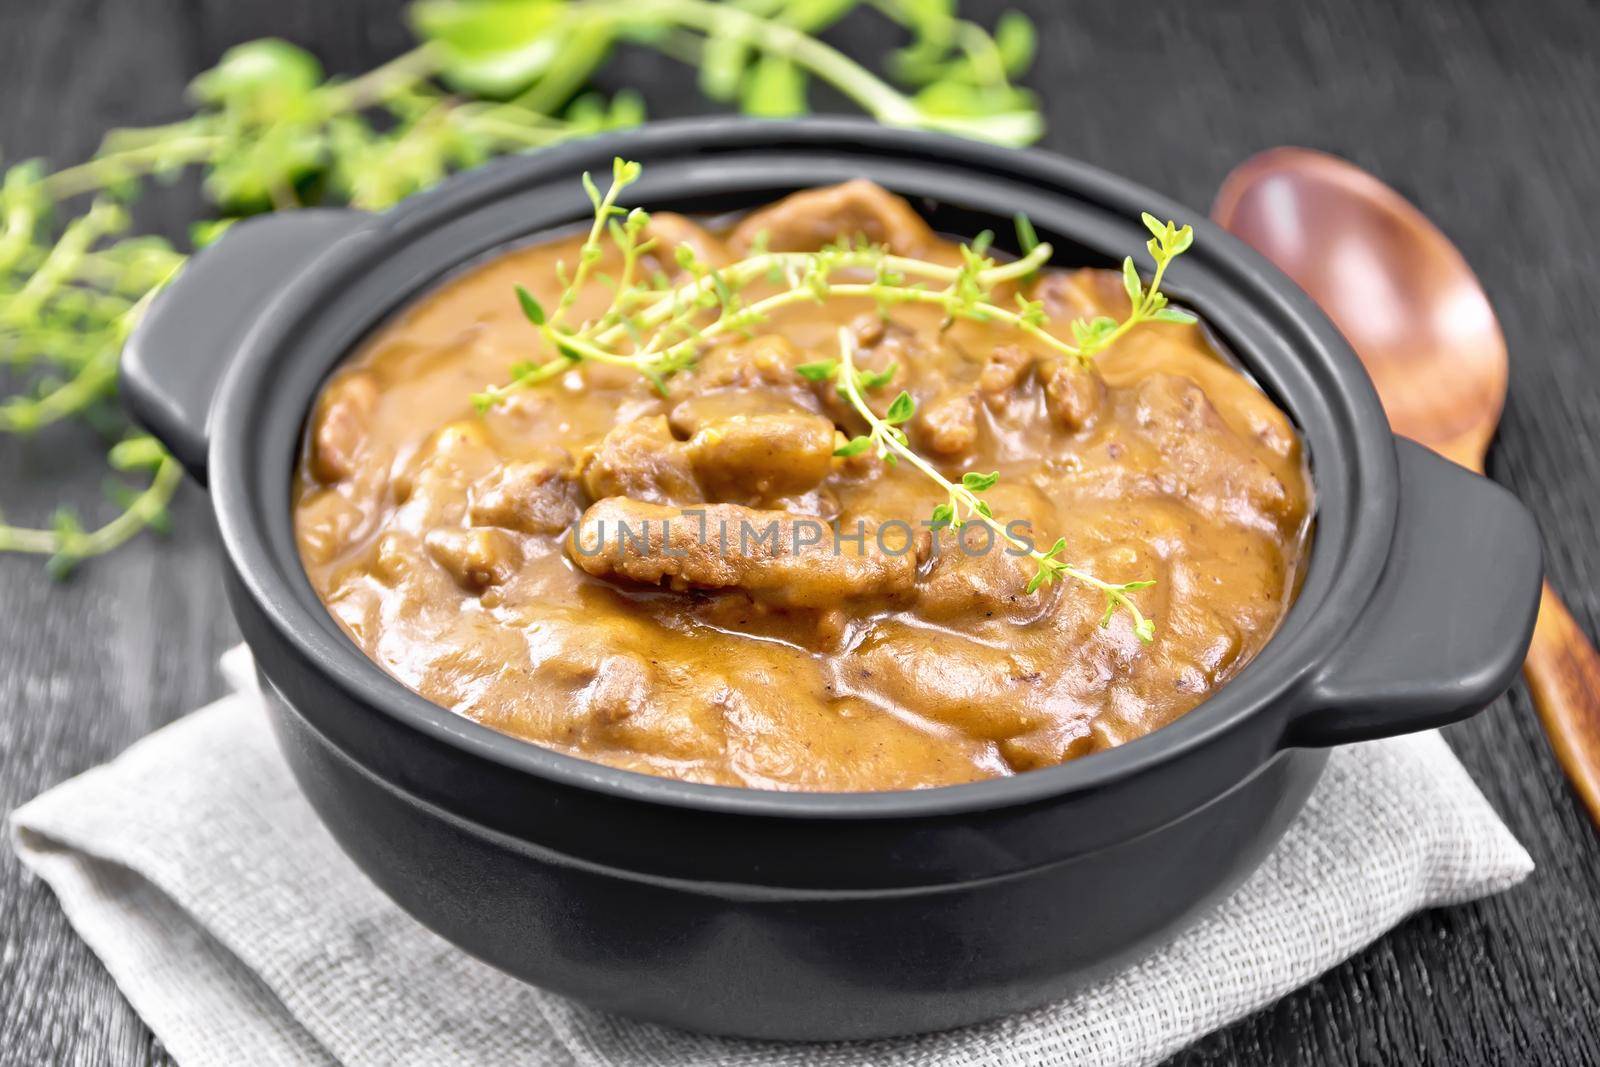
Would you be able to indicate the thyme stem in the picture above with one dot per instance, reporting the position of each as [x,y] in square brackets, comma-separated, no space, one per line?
[113,167]
[62,262]
[73,545]
[379,83]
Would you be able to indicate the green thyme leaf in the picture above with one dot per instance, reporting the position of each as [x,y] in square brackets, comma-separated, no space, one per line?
[136,453]
[819,371]
[980,482]
[1027,236]
[723,62]
[870,380]
[901,408]
[531,309]
[1015,40]
[814,16]
[1041,576]
[775,88]
[854,447]
[264,73]
[208,231]
[1131,283]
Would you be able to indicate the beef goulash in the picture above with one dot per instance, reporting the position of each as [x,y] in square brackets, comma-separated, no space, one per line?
[704,561]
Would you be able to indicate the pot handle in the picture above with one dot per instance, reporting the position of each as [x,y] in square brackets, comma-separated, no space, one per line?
[175,358]
[1451,619]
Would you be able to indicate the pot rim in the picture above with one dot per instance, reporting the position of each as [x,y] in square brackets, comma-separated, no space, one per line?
[1346,556]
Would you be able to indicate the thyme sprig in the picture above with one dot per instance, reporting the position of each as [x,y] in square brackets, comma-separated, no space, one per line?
[963,503]
[658,328]
[667,326]
[666,332]
[489,77]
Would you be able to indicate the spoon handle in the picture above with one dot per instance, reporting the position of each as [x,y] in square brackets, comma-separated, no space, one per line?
[1563,671]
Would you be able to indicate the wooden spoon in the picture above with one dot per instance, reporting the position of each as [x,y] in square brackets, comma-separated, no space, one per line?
[1416,315]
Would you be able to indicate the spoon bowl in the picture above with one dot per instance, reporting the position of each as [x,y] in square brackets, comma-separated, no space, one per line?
[1396,287]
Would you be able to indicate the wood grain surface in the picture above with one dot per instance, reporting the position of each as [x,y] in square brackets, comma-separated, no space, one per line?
[1486,115]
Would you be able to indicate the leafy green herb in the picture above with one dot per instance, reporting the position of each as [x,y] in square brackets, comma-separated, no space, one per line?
[530,307]
[271,132]
[876,379]
[1027,237]
[900,409]
[819,371]
[854,447]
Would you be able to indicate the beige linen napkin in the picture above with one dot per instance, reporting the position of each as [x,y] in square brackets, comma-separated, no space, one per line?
[238,930]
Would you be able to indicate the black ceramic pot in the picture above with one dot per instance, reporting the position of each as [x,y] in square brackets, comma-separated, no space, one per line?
[821,915]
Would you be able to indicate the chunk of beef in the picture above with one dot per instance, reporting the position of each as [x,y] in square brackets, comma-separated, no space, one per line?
[1073,394]
[973,578]
[340,430]
[326,524]
[671,231]
[1050,745]
[965,684]
[976,576]
[1081,294]
[768,360]
[948,426]
[641,459]
[806,221]
[706,409]
[629,706]
[1004,371]
[532,498]
[1207,463]
[870,328]
[777,558]
[1240,402]
[433,484]
[762,457]
[476,558]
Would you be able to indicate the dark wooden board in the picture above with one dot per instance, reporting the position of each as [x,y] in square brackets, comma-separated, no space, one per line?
[1486,114]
